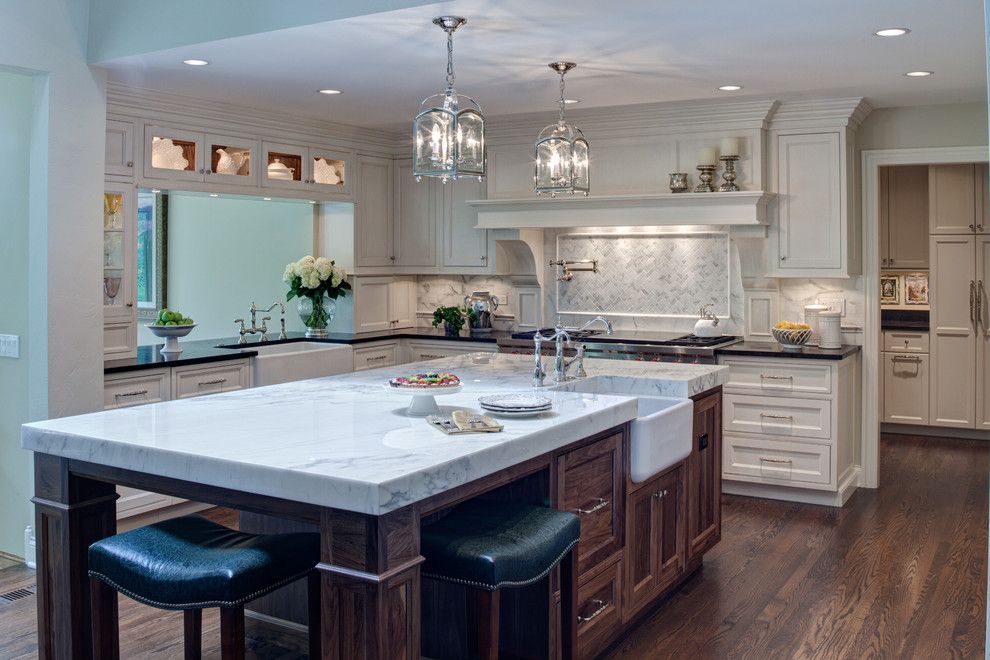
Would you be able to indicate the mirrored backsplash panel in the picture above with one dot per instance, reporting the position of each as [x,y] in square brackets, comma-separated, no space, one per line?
[646,275]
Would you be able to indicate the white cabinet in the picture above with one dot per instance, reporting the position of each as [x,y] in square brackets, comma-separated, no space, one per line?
[905,388]
[953,200]
[377,354]
[953,287]
[374,238]
[193,156]
[119,276]
[415,210]
[131,388]
[384,303]
[309,168]
[791,428]
[120,149]
[983,332]
[421,350]
[463,247]
[904,216]
[200,379]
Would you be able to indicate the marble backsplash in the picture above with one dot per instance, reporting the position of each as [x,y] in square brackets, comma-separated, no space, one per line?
[449,290]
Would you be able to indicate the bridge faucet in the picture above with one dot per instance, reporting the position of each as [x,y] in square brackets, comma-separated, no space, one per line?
[263,329]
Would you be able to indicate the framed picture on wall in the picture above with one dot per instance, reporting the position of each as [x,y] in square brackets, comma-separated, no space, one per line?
[890,290]
[916,289]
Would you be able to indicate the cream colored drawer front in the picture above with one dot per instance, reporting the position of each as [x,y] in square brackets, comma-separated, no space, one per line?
[210,379]
[781,377]
[768,415]
[776,461]
[122,390]
[419,352]
[372,357]
[134,502]
[903,341]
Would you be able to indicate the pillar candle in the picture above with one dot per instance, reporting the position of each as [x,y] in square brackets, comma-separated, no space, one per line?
[707,156]
[730,146]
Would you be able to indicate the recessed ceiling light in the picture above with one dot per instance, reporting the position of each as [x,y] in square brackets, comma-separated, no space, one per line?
[195,62]
[571,101]
[267,199]
[730,88]
[892,32]
[919,74]
[312,201]
[155,190]
[329,91]
[214,195]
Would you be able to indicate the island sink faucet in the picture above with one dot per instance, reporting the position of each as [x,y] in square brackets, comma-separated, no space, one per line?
[562,335]
[263,329]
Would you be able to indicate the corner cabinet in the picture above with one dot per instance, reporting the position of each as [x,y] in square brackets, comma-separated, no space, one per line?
[119,270]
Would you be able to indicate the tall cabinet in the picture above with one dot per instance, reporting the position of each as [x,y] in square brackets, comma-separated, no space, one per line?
[959,392]
[119,244]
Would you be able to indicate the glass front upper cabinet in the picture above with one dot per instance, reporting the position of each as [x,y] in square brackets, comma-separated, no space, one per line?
[232,159]
[306,168]
[118,298]
[173,154]
[329,170]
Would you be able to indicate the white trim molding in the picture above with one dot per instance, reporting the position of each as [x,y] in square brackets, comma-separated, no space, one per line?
[872,161]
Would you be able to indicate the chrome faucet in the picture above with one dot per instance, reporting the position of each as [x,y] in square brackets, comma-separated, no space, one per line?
[263,329]
[562,336]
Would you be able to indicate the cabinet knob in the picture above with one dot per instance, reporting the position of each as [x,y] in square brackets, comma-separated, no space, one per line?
[782,257]
[972,227]
[130,163]
[391,258]
[129,304]
[483,257]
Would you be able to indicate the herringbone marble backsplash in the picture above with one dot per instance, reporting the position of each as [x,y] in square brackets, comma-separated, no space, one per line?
[647,275]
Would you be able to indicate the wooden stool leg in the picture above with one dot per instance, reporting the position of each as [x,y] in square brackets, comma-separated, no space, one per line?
[232,633]
[192,628]
[568,605]
[315,614]
[103,608]
[482,622]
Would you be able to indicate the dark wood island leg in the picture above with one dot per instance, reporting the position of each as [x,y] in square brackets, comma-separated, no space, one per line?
[71,512]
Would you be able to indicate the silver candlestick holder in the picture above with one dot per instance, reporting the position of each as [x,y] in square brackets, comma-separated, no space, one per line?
[729,175]
[705,175]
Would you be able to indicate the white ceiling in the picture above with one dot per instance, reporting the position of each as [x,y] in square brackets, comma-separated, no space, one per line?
[631,51]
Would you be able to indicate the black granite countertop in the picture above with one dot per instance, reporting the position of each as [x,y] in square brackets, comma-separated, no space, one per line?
[200,351]
[773,349]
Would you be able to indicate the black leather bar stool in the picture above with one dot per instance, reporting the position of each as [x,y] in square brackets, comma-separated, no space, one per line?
[191,563]
[487,545]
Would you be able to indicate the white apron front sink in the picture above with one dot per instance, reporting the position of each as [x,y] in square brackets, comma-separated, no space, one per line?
[659,437]
[299,360]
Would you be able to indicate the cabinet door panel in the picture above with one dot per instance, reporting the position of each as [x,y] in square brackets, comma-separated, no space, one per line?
[295,158]
[671,527]
[120,148]
[373,213]
[464,247]
[372,303]
[907,211]
[402,302]
[905,388]
[810,215]
[643,544]
[704,477]
[952,334]
[416,210]
[983,333]
[952,199]
[232,160]
[173,154]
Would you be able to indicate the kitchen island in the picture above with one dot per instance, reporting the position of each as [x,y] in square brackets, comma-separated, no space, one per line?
[337,452]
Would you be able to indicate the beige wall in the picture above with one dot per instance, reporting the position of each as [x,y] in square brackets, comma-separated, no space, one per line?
[949,125]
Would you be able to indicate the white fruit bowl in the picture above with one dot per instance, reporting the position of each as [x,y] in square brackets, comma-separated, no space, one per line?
[171,334]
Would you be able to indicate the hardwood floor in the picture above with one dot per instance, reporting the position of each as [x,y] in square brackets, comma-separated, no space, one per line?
[900,572]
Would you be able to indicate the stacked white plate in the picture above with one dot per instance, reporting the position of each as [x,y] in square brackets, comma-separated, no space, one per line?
[515,405]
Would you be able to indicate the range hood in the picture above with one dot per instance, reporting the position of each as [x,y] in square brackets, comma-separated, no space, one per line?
[717,208]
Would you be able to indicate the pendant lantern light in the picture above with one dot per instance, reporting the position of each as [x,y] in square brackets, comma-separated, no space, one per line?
[449,130]
[561,152]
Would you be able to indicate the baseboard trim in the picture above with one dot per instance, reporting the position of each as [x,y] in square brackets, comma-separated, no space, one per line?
[791,494]
[934,431]
[11,557]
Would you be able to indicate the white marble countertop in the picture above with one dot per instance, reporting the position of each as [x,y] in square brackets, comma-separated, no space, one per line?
[342,441]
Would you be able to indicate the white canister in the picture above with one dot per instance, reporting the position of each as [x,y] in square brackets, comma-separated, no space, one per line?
[811,313]
[830,324]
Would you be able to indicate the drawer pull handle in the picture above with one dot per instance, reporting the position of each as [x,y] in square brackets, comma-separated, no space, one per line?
[769,416]
[601,607]
[602,503]
[121,395]
[377,357]
[216,381]
[765,459]
[660,494]
[906,358]
[772,377]
[427,356]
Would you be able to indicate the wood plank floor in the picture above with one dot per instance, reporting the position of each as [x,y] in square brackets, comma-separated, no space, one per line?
[900,572]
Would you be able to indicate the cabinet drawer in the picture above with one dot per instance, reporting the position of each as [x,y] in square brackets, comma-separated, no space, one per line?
[590,483]
[370,357]
[419,352]
[904,341]
[778,377]
[767,415]
[773,461]
[199,380]
[133,502]
[148,387]
[905,388]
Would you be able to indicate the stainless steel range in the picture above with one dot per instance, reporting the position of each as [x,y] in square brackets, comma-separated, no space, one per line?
[642,346]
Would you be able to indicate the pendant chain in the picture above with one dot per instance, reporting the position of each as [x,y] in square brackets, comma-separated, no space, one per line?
[561,120]
[450,59]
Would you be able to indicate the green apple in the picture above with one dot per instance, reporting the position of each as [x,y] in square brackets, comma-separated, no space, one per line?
[163,315]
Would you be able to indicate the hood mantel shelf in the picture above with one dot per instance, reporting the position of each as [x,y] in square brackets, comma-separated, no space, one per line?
[719,208]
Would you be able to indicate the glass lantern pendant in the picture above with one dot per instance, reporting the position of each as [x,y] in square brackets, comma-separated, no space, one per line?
[449,131]
[561,152]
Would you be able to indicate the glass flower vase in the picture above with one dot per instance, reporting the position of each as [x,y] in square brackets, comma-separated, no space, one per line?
[316,314]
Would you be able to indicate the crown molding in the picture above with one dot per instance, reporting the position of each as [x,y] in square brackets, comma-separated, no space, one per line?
[837,113]
[213,115]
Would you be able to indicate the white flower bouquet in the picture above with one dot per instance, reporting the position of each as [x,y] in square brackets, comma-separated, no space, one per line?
[315,278]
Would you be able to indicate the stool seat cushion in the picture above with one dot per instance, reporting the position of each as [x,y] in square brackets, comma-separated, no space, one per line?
[488,544]
[192,563]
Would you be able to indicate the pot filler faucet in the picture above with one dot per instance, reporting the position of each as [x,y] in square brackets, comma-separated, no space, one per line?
[263,330]
[561,336]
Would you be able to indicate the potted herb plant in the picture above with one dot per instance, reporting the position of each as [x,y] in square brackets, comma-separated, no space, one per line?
[453,319]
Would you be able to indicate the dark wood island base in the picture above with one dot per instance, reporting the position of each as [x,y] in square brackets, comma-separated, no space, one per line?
[638,543]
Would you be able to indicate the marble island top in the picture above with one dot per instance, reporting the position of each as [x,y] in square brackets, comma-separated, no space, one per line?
[342,441]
